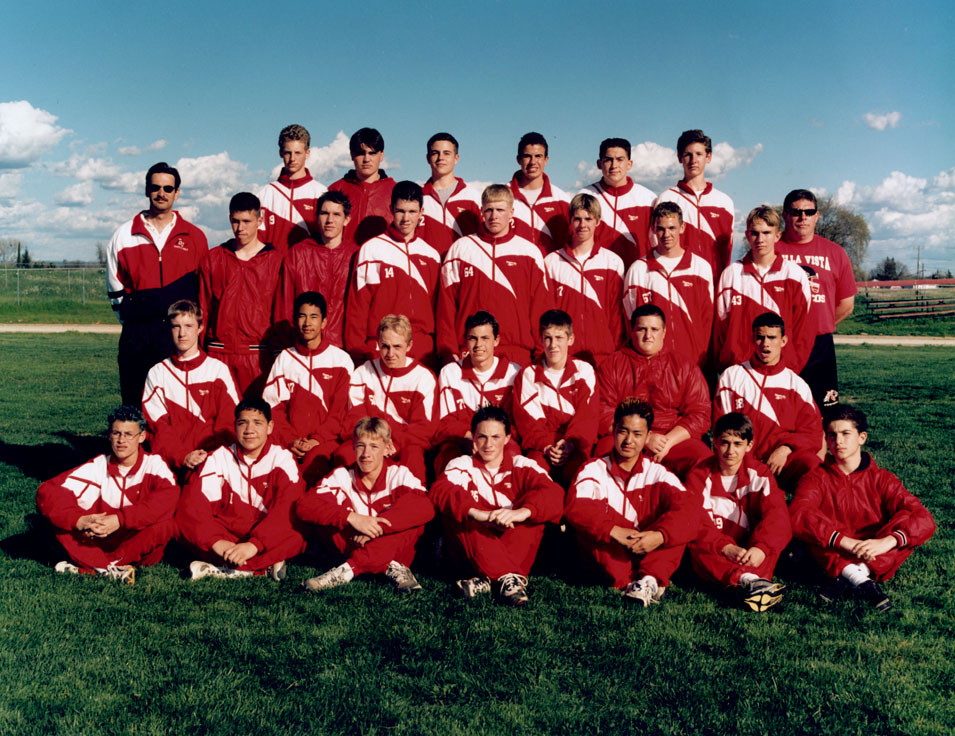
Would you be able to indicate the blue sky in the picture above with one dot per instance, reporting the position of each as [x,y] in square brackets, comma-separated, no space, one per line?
[848,98]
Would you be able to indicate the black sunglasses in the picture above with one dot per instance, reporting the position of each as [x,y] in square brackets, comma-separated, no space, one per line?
[167,188]
[808,213]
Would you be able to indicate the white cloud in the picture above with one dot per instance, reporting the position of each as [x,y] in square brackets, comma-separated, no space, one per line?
[77,195]
[26,133]
[10,184]
[881,121]
[136,151]
[726,158]
[208,183]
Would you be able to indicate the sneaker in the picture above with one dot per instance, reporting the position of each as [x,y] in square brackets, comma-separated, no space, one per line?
[870,592]
[512,589]
[834,590]
[126,574]
[642,593]
[472,587]
[402,577]
[202,569]
[761,594]
[278,571]
[330,579]
[66,566]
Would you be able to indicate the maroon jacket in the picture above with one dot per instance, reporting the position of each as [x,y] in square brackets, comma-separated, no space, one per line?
[370,205]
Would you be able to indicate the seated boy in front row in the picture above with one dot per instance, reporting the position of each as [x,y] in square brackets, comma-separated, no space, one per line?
[857,519]
[372,512]
[237,510]
[747,524]
[116,511]
[634,516]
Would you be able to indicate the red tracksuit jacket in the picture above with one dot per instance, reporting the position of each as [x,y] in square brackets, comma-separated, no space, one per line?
[708,216]
[460,215]
[461,393]
[370,205]
[624,219]
[545,413]
[404,398]
[547,222]
[289,210]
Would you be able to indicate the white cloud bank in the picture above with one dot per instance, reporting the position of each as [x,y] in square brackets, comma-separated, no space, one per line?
[26,133]
[136,150]
[881,121]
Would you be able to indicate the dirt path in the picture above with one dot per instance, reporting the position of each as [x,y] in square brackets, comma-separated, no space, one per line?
[98,329]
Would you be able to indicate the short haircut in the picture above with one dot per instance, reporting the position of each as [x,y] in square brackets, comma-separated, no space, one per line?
[848,413]
[632,406]
[666,209]
[734,423]
[608,143]
[126,413]
[532,139]
[245,202]
[162,168]
[294,133]
[481,317]
[490,413]
[313,298]
[688,137]
[496,192]
[586,202]
[374,426]
[769,319]
[767,214]
[396,323]
[184,306]
[795,195]
[409,191]
[556,318]
[442,137]
[254,403]
[647,310]
[366,137]
[335,197]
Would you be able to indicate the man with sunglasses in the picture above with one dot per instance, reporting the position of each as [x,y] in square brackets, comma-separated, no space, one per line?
[831,282]
[151,262]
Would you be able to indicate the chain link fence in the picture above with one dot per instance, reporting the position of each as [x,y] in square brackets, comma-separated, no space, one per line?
[25,286]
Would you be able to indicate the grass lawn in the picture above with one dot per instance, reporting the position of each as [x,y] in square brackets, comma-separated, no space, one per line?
[86,656]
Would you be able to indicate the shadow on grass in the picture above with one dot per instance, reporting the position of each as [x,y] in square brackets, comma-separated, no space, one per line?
[37,543]
[52,458]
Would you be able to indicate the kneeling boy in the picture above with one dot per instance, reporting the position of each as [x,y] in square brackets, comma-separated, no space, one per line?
[858,520]
[372,511]
[237,510]
[495,507]
[747,522]
[634,516]
[114,512]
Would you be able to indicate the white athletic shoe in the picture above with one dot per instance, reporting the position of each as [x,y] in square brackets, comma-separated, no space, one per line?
[473,587]
[512,589]
[643,593]
[66,566]
[202,569]
[125,574]
[278,571]
[330,579]
[402,577]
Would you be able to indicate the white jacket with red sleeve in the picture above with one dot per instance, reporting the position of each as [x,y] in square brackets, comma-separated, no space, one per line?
[460,215]
[145,495]
[777,401]
[708,216]
[590,292]
[289,210]
[403,397]
[624,218]
[545,413]
[743,294]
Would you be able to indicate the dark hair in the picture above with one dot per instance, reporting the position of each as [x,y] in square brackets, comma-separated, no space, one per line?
[254,403]
[733,423]
[479,318]
[245,202]
[310,297]
[795,195]
[647,310]
[490,413]
[614,143]
[442,137]
[632,406]
[162,168]
[848,413]
[532,139]
[556,318]
[335,197]
[769,319]
[126,413]
[688,137]
[666,209]
[366,137]
[408,191]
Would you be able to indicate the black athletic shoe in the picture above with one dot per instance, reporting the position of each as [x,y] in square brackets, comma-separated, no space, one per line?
[870,592]
[835,589]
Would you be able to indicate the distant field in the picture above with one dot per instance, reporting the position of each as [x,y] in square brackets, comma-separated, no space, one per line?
[59,296]
[859,323]
[84,656]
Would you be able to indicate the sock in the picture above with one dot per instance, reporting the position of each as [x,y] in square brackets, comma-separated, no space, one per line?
[747,578]
[856,573]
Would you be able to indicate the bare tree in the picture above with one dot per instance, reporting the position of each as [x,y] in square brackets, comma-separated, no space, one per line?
[845,227]
[101,254]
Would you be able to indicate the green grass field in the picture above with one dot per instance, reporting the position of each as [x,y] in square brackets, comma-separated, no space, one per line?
[80,655]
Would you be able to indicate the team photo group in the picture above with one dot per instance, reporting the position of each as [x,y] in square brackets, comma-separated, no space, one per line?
[381,369]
